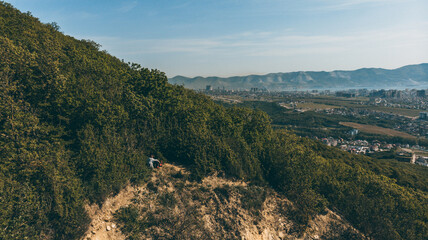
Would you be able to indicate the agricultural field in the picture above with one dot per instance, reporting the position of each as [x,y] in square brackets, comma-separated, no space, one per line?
[336,101]
[377,130]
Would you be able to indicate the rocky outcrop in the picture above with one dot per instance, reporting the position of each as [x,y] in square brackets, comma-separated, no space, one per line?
[171,206]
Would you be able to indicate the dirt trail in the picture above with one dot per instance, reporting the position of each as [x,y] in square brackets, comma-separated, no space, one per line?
[102,227]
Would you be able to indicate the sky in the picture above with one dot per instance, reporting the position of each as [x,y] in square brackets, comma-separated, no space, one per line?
[242,37]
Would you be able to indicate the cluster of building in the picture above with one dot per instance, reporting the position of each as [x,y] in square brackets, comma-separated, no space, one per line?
[383,93]
[366,147]
[407,103]
[374,93]
[358,146]
[420,104]
[422,161]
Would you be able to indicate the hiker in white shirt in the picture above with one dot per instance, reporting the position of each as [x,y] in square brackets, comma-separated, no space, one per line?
[153,163]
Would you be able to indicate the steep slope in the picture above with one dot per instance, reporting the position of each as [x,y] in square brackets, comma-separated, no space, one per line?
[77,124]
[407,76]
[170,206]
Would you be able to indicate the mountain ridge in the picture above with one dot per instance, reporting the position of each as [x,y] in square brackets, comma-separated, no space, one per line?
[406,76]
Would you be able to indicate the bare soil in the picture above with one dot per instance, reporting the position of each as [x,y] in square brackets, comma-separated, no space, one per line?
[173,207]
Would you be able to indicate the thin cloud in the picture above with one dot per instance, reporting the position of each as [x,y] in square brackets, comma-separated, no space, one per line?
[182,5]
[271,52]
[269,44]
[336,5]
[128,6]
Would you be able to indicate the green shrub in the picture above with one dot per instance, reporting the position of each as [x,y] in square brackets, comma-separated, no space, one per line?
[167,200]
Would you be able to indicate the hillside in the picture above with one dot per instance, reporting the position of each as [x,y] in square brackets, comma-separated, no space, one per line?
[410,76]
[170,206]
[77,125]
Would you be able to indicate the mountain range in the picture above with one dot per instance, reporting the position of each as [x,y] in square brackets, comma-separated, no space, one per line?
[410,76]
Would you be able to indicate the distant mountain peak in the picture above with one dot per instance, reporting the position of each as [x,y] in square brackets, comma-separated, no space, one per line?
[411,76]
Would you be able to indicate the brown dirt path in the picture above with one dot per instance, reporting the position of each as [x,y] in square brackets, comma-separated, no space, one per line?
[102,226]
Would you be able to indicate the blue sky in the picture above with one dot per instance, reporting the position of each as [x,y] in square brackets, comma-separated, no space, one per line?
[240,37]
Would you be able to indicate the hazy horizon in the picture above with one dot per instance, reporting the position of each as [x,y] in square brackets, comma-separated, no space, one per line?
[262,74]
[236,38]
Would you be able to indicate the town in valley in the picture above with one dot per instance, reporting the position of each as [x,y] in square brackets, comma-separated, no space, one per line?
[380,123]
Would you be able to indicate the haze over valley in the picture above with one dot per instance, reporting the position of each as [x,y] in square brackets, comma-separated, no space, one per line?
[411,76]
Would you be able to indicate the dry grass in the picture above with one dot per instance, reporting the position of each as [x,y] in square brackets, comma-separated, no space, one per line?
[174,207]
[377,130]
